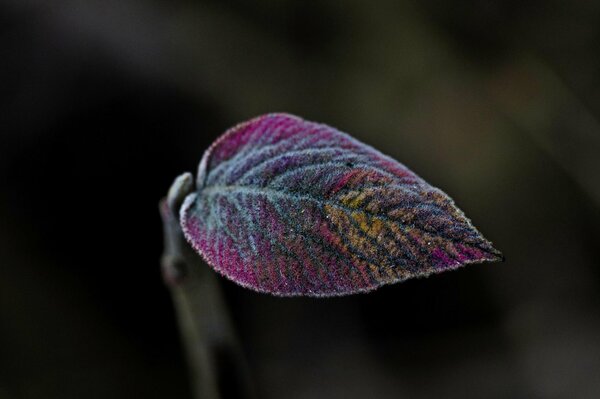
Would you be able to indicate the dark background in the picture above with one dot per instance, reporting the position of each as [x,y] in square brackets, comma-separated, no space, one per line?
[104,102]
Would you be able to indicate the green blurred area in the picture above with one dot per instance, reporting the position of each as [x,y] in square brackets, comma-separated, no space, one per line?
[497,103]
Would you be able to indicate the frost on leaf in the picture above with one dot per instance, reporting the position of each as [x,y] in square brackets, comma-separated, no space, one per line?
[292,207]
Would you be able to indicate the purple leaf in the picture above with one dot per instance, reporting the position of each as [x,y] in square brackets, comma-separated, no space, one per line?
[292,207]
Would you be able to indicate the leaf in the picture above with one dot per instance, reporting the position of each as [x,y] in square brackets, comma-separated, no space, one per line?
[292,207]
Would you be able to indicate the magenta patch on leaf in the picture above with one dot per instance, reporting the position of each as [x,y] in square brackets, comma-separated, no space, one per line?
[292,207]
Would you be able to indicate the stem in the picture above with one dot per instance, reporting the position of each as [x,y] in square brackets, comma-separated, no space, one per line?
[218,368]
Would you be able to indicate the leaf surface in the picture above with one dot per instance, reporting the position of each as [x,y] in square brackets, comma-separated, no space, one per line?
[292,207]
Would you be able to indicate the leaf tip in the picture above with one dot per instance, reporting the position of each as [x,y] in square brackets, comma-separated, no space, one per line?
[498,256]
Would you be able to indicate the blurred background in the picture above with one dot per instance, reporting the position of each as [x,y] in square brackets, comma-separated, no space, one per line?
[104,102]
